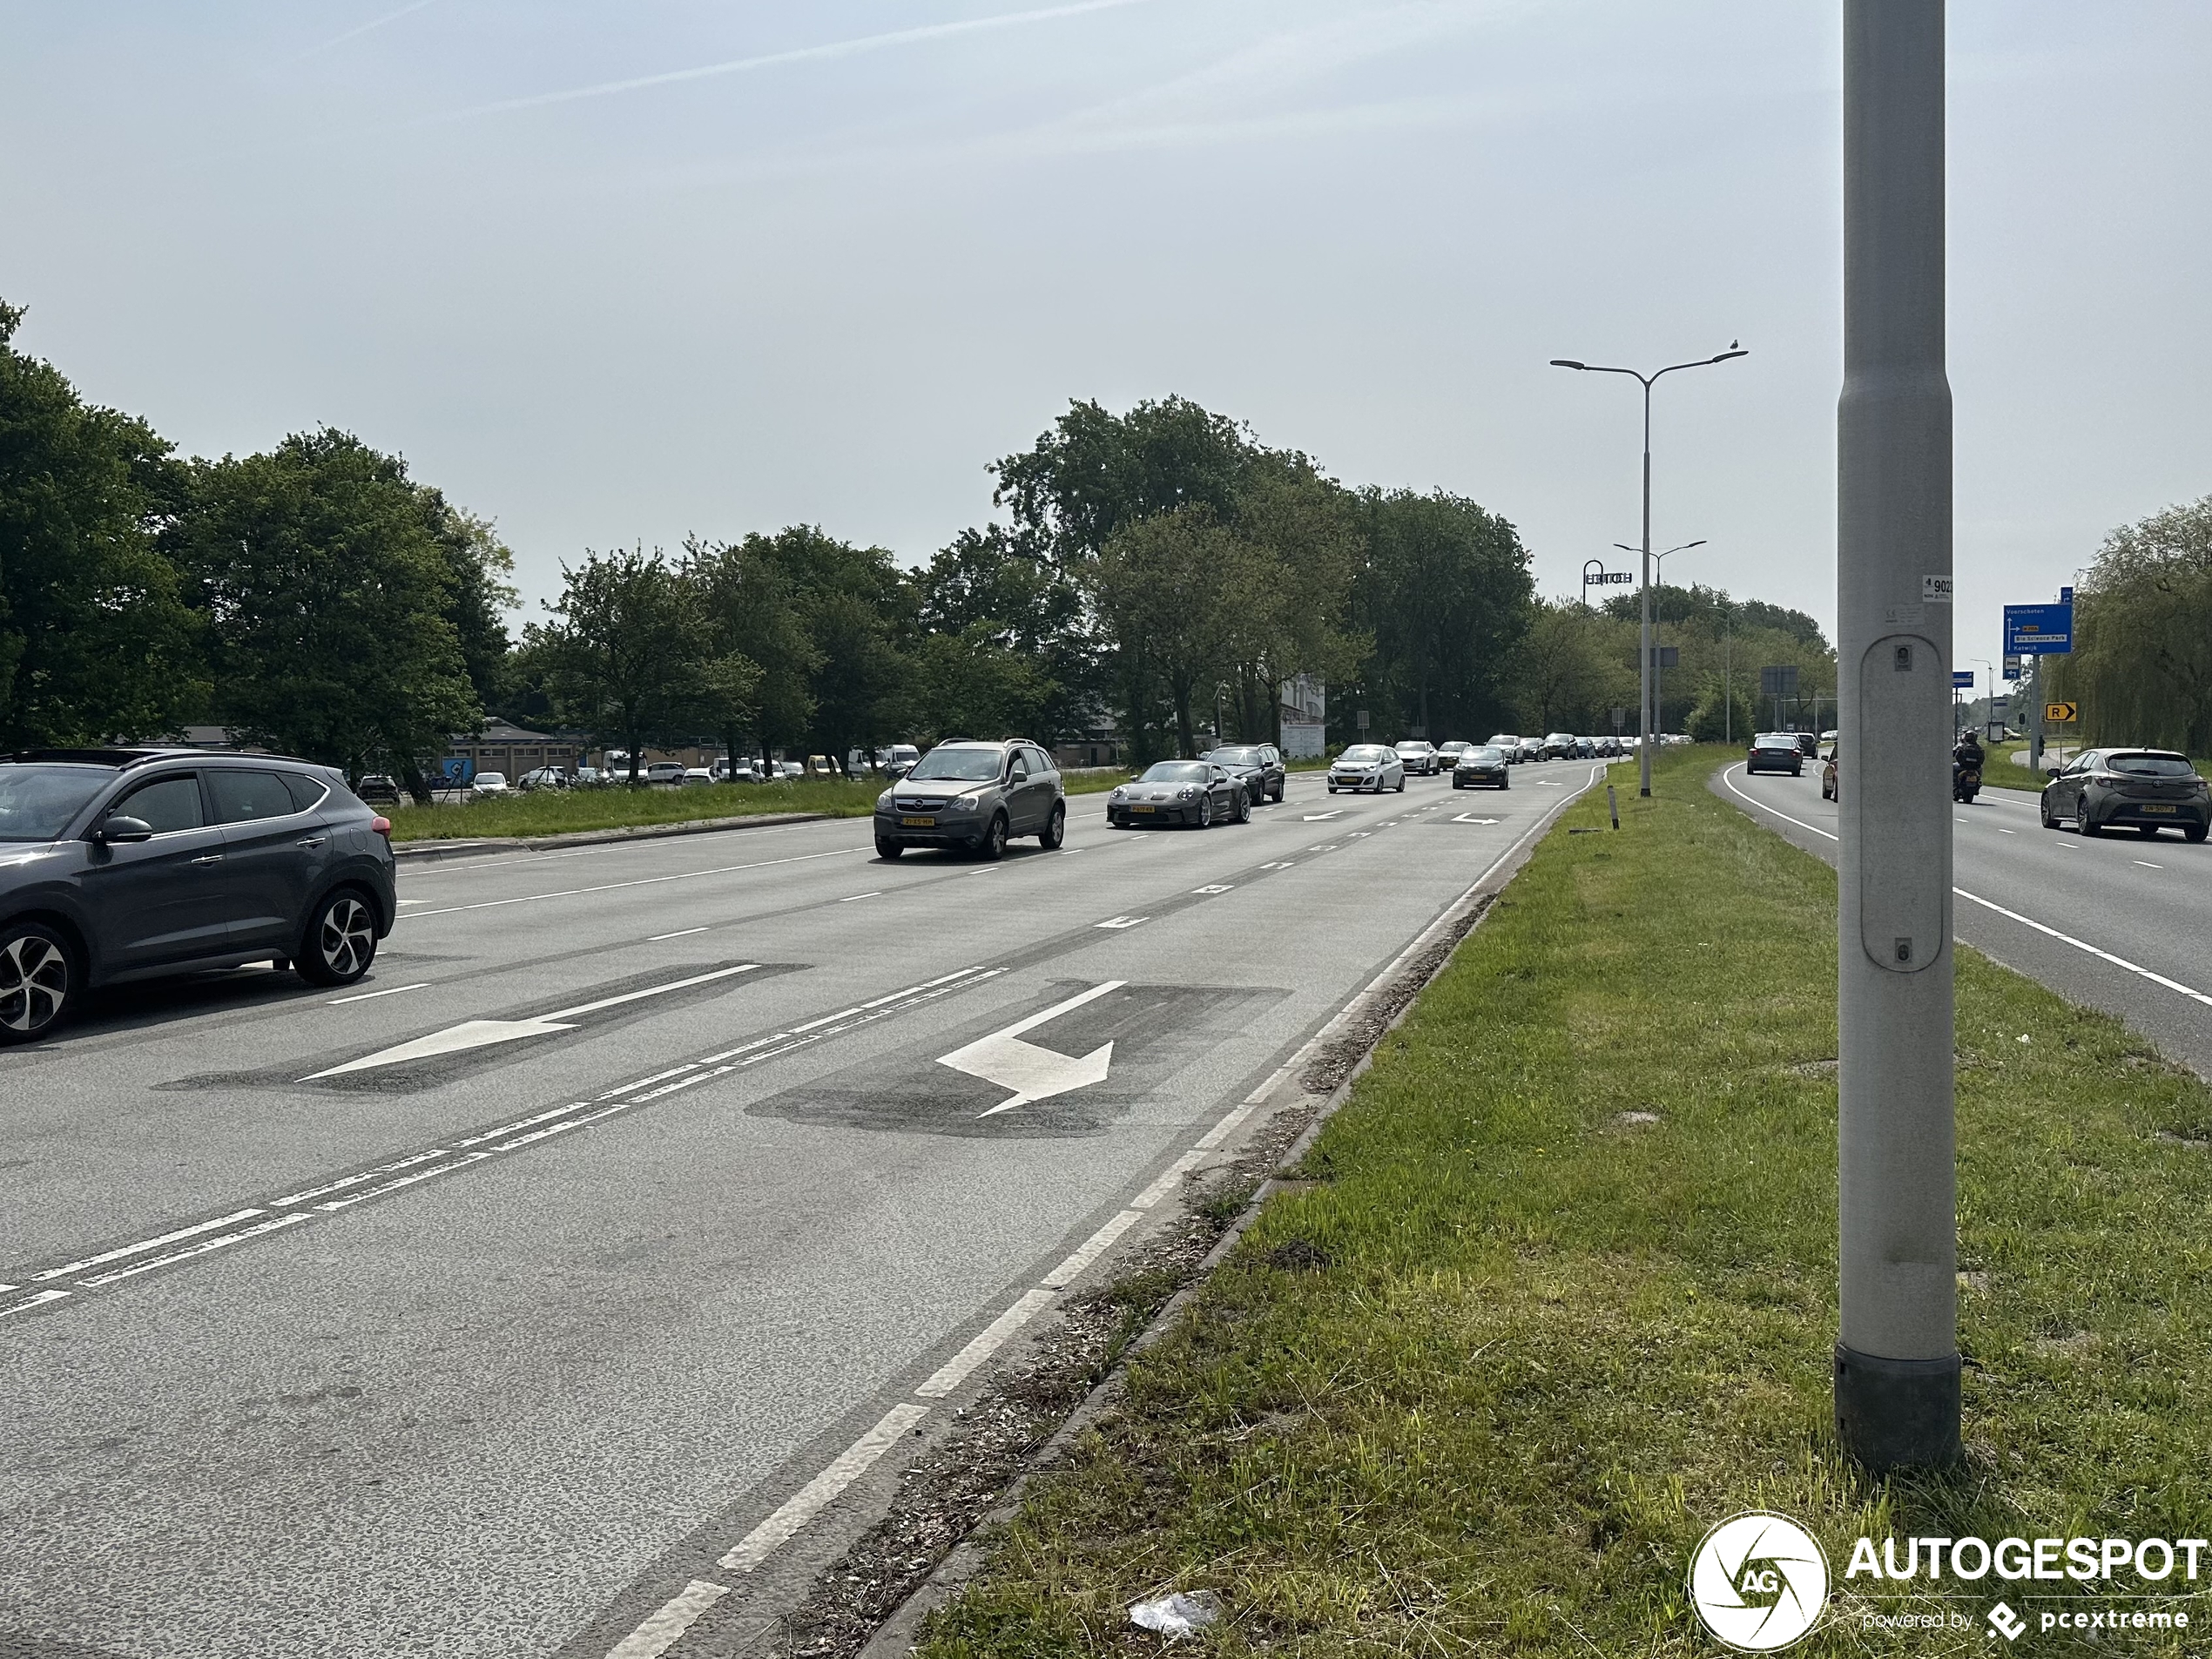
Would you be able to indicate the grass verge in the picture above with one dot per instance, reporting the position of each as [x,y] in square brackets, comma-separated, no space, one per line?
[1482,1385]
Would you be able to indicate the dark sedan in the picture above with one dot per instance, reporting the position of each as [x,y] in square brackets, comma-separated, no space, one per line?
[1777,752]
[1482,765]
[1180,792]
[129,864]
[1260,765]
[2146,790]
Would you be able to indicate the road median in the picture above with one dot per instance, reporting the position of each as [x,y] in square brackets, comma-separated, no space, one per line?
[1553,1292]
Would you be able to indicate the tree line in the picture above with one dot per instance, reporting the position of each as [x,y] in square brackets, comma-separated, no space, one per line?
[2140,669]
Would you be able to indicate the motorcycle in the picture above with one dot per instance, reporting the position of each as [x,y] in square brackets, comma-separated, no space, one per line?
[1965,781]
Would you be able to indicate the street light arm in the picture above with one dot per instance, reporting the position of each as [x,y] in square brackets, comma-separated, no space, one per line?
[1605,368]
[1704,362]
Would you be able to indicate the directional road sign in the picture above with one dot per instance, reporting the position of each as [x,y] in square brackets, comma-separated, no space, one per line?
[2011,665]
[2039,630]
[1963,679]
[2059,713]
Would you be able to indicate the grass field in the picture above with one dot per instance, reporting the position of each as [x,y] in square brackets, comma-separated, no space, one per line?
[548,812]
[1481,1386]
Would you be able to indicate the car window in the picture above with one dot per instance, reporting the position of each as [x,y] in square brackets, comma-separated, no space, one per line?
[957,766]
[2147,765]
[38,802]
[1174,771]
[166,804]
[1020,768]
[307,793]
[242,796]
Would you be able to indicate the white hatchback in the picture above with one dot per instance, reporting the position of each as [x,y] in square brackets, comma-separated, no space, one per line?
[1371,766]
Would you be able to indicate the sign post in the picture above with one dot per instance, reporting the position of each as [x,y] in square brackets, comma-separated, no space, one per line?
[2039,631]
[1897,1364]
[1778,681]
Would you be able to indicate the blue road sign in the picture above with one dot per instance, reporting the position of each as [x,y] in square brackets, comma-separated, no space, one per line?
[2011,665]
[1963,679]
[2039,630]
[456,771]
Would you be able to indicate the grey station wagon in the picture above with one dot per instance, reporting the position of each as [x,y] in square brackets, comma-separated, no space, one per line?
[127,863]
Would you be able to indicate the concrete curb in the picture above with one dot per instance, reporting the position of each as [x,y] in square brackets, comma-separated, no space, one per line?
[409,851]
[895,1638]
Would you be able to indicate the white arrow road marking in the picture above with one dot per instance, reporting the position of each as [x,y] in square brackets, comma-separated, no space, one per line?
[1315,818]
[1034,1074]
[1281,864]
[1225,887]
[1546,783]
[1119,922]
[1469,818]
[482,1033]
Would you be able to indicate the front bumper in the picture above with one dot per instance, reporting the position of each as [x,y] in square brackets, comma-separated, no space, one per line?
[1495,775]
[897,829]
[1165,812]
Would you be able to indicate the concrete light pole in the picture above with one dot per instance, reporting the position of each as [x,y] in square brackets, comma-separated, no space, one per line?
[1896,1359]
[1643,745]
[1658,671]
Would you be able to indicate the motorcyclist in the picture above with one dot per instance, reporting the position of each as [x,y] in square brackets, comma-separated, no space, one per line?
[1967,753]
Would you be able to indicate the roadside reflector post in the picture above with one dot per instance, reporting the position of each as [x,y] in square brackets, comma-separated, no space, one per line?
[1897,1356]
[1613,806]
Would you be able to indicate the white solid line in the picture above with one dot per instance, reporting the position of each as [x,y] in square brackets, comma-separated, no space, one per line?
[643,881]
[681,933]
[351,1198]
[367,996]
[39,1300]
[823,1490]
[1091,1249]
[120,1251]
[1057,1009]
[345,1181]
[987,1342]
[862,1008]
[662,1631]
[2026,921]
[855,898]
[650,990]
[271,1225]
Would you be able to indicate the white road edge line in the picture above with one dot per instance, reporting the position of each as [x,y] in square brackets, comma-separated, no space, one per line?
[987,1342]
[666,1627]
[823,1489]
[2156,978]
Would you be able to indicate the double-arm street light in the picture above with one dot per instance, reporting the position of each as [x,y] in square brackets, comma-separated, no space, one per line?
[1643,747]
[1658,672]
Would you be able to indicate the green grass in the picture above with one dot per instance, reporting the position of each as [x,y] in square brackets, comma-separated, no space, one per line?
[1546,1350]
[2007,768]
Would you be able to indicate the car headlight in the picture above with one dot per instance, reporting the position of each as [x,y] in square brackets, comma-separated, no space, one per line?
[1116,795]
[961,804]
[1189,792]
[883,802]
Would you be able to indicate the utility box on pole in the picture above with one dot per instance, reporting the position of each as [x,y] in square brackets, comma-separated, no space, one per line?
[1896,1353]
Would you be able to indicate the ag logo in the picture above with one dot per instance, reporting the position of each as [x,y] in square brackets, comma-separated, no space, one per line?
[1759,1582]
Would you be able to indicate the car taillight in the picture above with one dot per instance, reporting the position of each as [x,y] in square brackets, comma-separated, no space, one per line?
[383,826]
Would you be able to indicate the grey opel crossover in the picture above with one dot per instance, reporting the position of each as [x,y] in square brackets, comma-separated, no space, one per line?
[972,796]
[128,864]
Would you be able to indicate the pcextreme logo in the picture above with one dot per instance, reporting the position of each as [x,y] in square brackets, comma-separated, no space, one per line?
[1759,1582]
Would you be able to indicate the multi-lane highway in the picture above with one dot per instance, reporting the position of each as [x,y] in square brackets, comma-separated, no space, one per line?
[550,1278]
[2119,922]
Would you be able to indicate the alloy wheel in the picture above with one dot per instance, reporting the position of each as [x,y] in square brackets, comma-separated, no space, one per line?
[347,937]
[34,984]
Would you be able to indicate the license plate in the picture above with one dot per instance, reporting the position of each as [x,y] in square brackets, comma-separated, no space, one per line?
[917,823]
[2161,809]
[1140,809]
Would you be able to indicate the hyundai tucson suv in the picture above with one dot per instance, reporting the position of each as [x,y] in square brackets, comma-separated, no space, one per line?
[974,797]
[131,864]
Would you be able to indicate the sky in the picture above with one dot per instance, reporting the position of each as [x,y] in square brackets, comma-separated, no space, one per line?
[619,273]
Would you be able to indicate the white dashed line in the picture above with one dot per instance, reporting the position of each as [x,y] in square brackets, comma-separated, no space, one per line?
[855,898]
[661,1632]
[2148,864]
[1118,922]
[823,1490]
[643,881]
[681,933]
[370,996]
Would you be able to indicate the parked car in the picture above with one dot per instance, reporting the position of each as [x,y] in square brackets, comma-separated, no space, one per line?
[1508,745]
[1586,748]
[2147,790]
[131,864]
[1420,756]
[589,777]
[1198,792]
[1483,766]
[488,784]
[1827,777]
[740,771]
[1260,765]
[790,769]
[1371,766]
[696,778]
[377,789]
[974,796]
[664,771]
[543,778]
[898,761]
[1776,751]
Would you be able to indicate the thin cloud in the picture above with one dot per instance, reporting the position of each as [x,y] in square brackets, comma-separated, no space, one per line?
[771,60]
[355,33]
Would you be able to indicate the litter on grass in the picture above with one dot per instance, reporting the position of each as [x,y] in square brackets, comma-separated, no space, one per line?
[1177,1614]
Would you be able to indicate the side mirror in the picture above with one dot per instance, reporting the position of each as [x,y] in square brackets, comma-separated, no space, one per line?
[2050,772]
[119,829]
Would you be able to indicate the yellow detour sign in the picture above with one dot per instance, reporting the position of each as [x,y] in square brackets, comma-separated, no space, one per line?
[2059,713]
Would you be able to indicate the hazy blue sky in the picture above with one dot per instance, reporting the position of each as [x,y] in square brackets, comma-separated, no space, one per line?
[618,272]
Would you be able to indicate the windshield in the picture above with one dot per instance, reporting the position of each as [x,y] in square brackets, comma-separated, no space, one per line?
[38,802]
[1365,751]
[2151,766]
[1175,771]
[1505,739]
[956,766]
[1235,756]
[1411,743]
[1481,757]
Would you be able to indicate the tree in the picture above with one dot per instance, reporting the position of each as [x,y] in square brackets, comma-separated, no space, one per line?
[1167,587]
[1446,594]
[1565,668]
[96,641]
[1024,631]
[630,651]
[752,611]
[331,584]
[1289,613]
[2141,665]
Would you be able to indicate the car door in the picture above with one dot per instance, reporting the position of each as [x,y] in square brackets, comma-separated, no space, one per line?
[1020,794]
[274,850]
[1225,790]
[1045,786]
[158,902]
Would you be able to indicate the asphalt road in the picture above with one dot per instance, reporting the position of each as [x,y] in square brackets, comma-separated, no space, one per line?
[470,1310]
[2121,922]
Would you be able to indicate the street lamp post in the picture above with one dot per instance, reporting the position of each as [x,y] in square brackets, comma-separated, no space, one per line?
[1643,747]
[1658,673]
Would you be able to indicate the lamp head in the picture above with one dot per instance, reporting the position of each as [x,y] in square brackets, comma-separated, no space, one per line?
[1567,362]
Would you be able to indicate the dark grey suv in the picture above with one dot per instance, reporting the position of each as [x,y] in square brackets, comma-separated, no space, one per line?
[974,796]
[127,863]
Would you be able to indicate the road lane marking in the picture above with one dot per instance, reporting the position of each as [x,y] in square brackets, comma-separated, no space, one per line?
[987,1342]
[642,882]
[665,1627]
[370,996]
[1316,818]
[855,898]
[1091,1249]
[1230,887]
[116,1255]
[30,1302]
[1032,1073]
[480,1034]
[681,933]
[219,1242]
[2006,832]
[1120,921]
[823,1489]
[2154,977]
[2148,864]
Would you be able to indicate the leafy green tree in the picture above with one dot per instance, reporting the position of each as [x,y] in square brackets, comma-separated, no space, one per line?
[1024,631]
[2141,665]
[96,641]
[1289,612]
[1168,586]
[331,584]
[752,611]
[629,652]
[1447,593]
